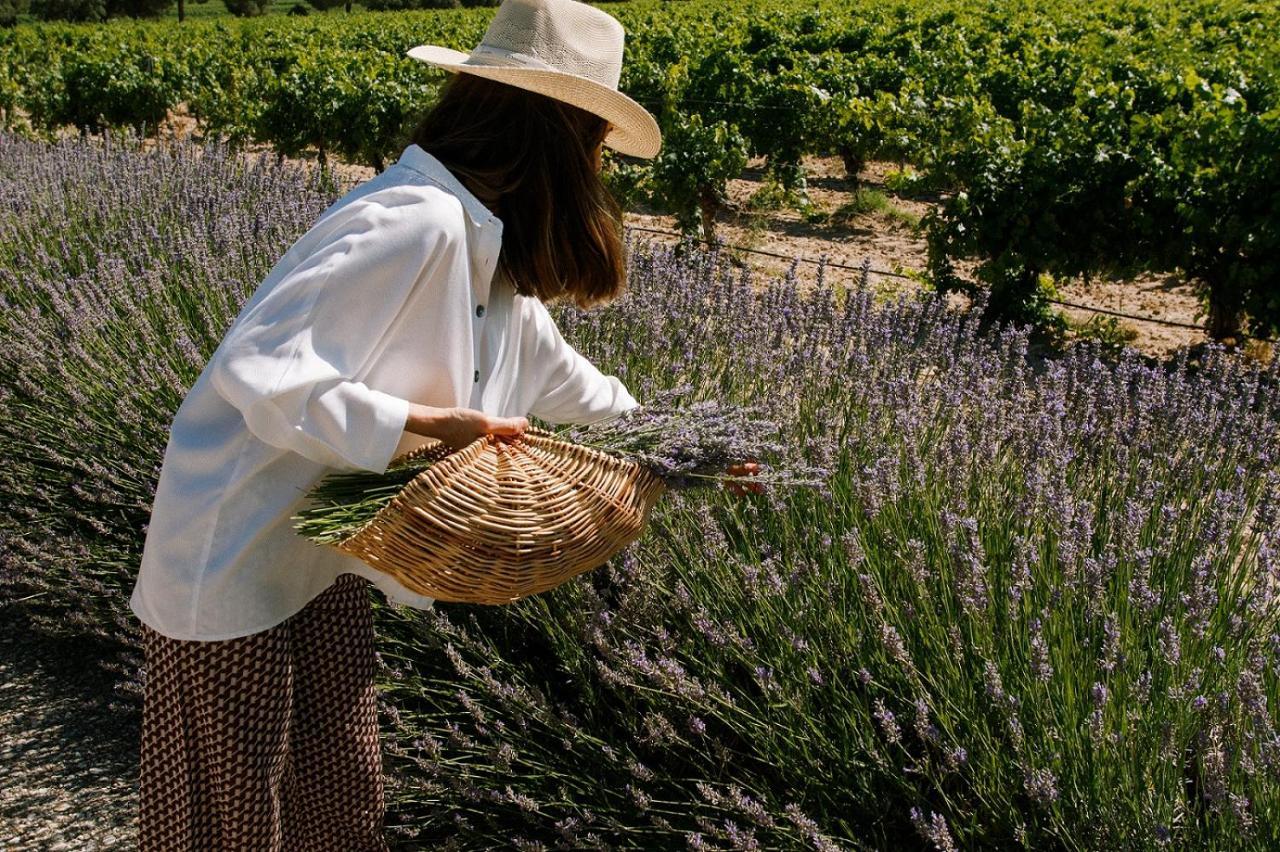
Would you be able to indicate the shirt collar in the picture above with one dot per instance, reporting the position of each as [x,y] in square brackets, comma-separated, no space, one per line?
[426,164]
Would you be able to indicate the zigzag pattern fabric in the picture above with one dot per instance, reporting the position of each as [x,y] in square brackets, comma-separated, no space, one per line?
[267,742]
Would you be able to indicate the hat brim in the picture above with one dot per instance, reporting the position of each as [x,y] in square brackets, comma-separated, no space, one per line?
[635,131]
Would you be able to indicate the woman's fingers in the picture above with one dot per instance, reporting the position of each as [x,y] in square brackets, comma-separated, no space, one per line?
[507,425]
[744,468]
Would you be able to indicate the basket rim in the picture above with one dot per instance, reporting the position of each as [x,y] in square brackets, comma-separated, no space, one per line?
[397,503]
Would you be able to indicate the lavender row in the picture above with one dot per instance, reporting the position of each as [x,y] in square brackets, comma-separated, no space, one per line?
[1034,605]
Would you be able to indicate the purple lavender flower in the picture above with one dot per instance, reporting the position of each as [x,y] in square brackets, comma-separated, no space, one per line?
[934,829]
[888,724]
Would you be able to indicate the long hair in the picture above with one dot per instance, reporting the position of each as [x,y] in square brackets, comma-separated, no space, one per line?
[534,162]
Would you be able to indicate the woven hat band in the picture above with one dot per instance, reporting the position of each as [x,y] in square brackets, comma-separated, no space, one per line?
[565,36]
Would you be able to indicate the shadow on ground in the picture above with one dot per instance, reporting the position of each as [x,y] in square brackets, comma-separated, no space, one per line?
[68,764]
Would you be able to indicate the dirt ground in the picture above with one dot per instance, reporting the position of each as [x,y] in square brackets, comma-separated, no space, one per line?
[883,236]
[68,763]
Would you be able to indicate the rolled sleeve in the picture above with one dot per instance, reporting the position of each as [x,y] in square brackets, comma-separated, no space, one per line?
[339,423]
[293,361]
[572,389]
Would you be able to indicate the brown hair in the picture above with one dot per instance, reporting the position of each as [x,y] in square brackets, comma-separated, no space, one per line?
[534,162]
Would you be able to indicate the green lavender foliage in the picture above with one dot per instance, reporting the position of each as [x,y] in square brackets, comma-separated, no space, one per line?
[344,502]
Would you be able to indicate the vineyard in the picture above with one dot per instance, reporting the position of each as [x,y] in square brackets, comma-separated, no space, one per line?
[1064,139]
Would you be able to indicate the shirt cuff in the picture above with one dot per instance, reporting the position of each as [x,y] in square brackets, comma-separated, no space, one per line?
[391,413]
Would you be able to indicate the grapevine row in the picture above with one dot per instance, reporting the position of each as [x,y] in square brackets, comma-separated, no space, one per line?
[1063,139]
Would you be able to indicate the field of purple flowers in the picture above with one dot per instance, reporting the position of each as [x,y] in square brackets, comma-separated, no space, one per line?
[1035,607]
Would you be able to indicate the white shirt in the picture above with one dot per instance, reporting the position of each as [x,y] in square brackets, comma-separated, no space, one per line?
[390,297]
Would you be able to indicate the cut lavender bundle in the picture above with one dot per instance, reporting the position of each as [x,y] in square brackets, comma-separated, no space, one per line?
[344,502]
[684,445]
[690,445]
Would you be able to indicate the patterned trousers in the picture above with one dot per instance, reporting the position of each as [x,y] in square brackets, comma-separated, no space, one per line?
[267,742]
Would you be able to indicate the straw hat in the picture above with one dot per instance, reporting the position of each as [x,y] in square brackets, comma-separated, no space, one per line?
[564,49]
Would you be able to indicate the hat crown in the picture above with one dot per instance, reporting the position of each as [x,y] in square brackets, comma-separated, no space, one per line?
[566,35]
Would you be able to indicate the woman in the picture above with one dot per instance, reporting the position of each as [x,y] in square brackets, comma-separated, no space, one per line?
[412,309]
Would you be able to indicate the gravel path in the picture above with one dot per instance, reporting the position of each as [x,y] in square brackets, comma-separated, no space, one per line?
[68,765]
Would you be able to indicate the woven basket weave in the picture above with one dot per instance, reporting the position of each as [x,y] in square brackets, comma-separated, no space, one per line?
[500,519]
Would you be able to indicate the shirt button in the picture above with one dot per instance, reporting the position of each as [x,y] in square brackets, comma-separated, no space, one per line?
[479,310]
[477,377]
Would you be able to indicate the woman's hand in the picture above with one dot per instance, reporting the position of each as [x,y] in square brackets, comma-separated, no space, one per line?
[749,467]
[459,426]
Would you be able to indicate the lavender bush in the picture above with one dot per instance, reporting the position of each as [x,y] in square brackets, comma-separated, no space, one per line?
[119,273]
[1034,608]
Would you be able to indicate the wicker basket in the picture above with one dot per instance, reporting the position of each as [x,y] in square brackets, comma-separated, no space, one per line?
[500,518]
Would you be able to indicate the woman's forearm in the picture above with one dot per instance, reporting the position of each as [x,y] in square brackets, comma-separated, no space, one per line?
[425,420]
[457,426]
